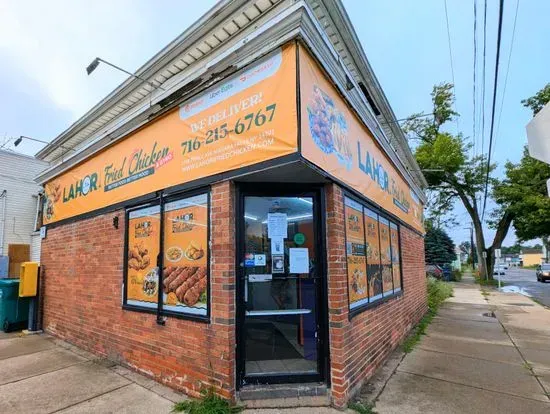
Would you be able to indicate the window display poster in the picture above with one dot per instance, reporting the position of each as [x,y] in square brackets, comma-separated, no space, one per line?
[142,252]
[185,278]
[374,274]
[396,269]
[385,256]
[356,254]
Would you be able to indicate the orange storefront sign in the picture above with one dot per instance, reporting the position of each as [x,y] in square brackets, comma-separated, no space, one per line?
[245,119]
[334,139]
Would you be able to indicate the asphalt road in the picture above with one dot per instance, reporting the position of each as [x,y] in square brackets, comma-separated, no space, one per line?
[526,282]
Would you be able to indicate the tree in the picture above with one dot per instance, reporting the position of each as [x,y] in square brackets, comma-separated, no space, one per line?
[465,247]
[539,100]
[524,189]
[439,248]
[515,249]
[453,174]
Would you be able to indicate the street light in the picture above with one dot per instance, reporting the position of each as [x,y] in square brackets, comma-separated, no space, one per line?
[95,63]
[21,137]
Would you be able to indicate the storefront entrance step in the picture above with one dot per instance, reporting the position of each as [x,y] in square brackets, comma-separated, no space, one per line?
[287,395]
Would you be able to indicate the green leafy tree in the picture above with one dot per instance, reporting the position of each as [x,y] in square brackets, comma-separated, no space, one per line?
[465,247]
[453,174]
[515,249]
[439,248]
[539,100]
[524,189]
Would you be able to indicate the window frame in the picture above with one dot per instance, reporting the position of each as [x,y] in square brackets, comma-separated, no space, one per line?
[159,310]
[391,220]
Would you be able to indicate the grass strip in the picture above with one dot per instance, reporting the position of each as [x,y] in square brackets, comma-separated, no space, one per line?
[438,291]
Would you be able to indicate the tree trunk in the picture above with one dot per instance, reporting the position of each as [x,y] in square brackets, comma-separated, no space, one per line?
[546,243]
[502,231]
[480,247]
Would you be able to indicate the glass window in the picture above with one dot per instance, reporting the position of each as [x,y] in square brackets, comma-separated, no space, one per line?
[141,257]
[374,271]
[356,254]
[372,255]
[385,256]
[185,270]
[184,256]
[395,257]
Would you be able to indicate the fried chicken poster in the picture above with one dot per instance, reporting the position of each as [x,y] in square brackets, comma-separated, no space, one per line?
[186,255]
[142,252]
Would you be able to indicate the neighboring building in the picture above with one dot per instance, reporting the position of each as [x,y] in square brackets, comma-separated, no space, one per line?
[291,222]
[531,257]
[19,204]
[512,259]
[459,259]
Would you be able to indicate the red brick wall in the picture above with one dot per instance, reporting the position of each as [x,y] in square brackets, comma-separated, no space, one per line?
[82,276]
[359,346]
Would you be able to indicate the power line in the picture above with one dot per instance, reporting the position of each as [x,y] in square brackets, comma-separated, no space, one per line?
[483,82]
[507,69]
[474,140]
[495,85]
[451,58]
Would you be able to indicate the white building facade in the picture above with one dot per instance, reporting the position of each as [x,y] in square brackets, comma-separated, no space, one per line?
[19,198]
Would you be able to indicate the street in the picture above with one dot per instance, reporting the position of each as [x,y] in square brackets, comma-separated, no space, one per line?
[526,283]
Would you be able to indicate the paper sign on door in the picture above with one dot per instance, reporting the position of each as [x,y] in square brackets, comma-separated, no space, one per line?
[299,260]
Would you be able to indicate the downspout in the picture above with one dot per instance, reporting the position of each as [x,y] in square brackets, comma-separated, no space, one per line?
[38,200]
[4,195]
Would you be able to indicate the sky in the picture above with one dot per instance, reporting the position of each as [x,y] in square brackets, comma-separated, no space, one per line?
[46,46]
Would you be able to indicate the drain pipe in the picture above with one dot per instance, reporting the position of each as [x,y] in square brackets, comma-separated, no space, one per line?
[4,195]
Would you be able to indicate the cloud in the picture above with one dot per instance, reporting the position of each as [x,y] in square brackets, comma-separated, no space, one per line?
[52,43]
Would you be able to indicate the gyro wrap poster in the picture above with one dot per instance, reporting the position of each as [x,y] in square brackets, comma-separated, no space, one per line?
[186,255]
[143,249]
[336,141]
[247,118]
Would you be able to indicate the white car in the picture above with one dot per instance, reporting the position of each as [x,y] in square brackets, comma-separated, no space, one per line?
[499,270]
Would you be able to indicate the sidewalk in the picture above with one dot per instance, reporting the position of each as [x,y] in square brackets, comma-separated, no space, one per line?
[469,362]
[472,362]
[39,374]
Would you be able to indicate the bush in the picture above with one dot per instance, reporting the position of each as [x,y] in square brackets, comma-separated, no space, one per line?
[210,403]
[456,275]
[438,291]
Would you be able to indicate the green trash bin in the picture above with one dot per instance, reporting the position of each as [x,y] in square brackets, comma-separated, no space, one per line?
[14,311]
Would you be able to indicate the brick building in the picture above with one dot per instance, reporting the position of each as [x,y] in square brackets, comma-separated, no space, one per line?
[248,223]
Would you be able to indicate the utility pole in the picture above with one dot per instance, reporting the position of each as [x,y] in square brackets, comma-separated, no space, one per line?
[472,250]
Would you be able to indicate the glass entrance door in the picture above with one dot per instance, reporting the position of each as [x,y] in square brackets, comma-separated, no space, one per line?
[280,285]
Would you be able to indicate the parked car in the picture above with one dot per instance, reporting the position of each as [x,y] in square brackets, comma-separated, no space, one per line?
[434,271]
[543,272]
[499,270]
